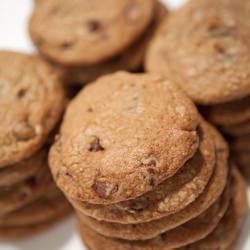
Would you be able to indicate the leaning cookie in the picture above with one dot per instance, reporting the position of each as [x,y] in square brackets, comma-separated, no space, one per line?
[31,103]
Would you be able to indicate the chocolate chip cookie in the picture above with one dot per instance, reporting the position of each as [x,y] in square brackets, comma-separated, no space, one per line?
[122,125]
[142,231]
[131,59]
[31,103]
[167,198]
[204,47]
[83,32]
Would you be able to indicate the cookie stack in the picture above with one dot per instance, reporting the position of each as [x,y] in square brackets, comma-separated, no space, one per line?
[205,47]
[31,103]
[87,39]
[143,170]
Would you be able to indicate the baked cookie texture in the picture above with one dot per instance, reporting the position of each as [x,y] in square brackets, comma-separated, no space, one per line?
[204,47]
[130,57]
[92,30]
[121,126]
[213,33]
[111,161]
[228,226]
[31,104]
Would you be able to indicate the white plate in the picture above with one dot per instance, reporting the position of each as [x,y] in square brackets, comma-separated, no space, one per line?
[13,35]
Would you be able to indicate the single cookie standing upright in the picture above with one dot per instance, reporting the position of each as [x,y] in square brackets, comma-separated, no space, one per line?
[205,47]
[87,32]
[31,103]
[122,125]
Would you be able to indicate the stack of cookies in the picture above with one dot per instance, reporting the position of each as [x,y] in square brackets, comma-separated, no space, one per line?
[233,118]
[31,103]
[143,170]
[86,39]
[205,47]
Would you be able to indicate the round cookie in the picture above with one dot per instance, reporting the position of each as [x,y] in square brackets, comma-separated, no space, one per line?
[191,231]
[17,196]
[168,197]
[239,129]
[230,225]
[31,103]
[49,206]
[214,34]
[130,60]
[151,229]
[122,125]
[21,171]
[92,30]
[230,113]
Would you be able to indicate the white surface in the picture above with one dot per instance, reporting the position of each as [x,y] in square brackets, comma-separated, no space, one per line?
[13,35]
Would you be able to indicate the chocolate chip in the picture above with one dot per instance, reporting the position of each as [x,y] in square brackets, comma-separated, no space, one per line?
[213,23]
[21,93]
[95,145]
[90,110]
[151,170]
[66,45]
[24,131]
[32,181]
[68,174]
[93,25]
[105,190]
[219,47]
[152,182]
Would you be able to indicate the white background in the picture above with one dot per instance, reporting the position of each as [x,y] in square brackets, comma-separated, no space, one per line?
[13,35]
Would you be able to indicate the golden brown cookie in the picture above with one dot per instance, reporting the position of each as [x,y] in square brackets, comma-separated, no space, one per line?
[88,32]
[48,206]
[122,125]
[204,47]
[151,229]
[191,231]
[20,194]
[17,233]
[31,103]
[130,59]
[25,169]
[228,229]
[167,198]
